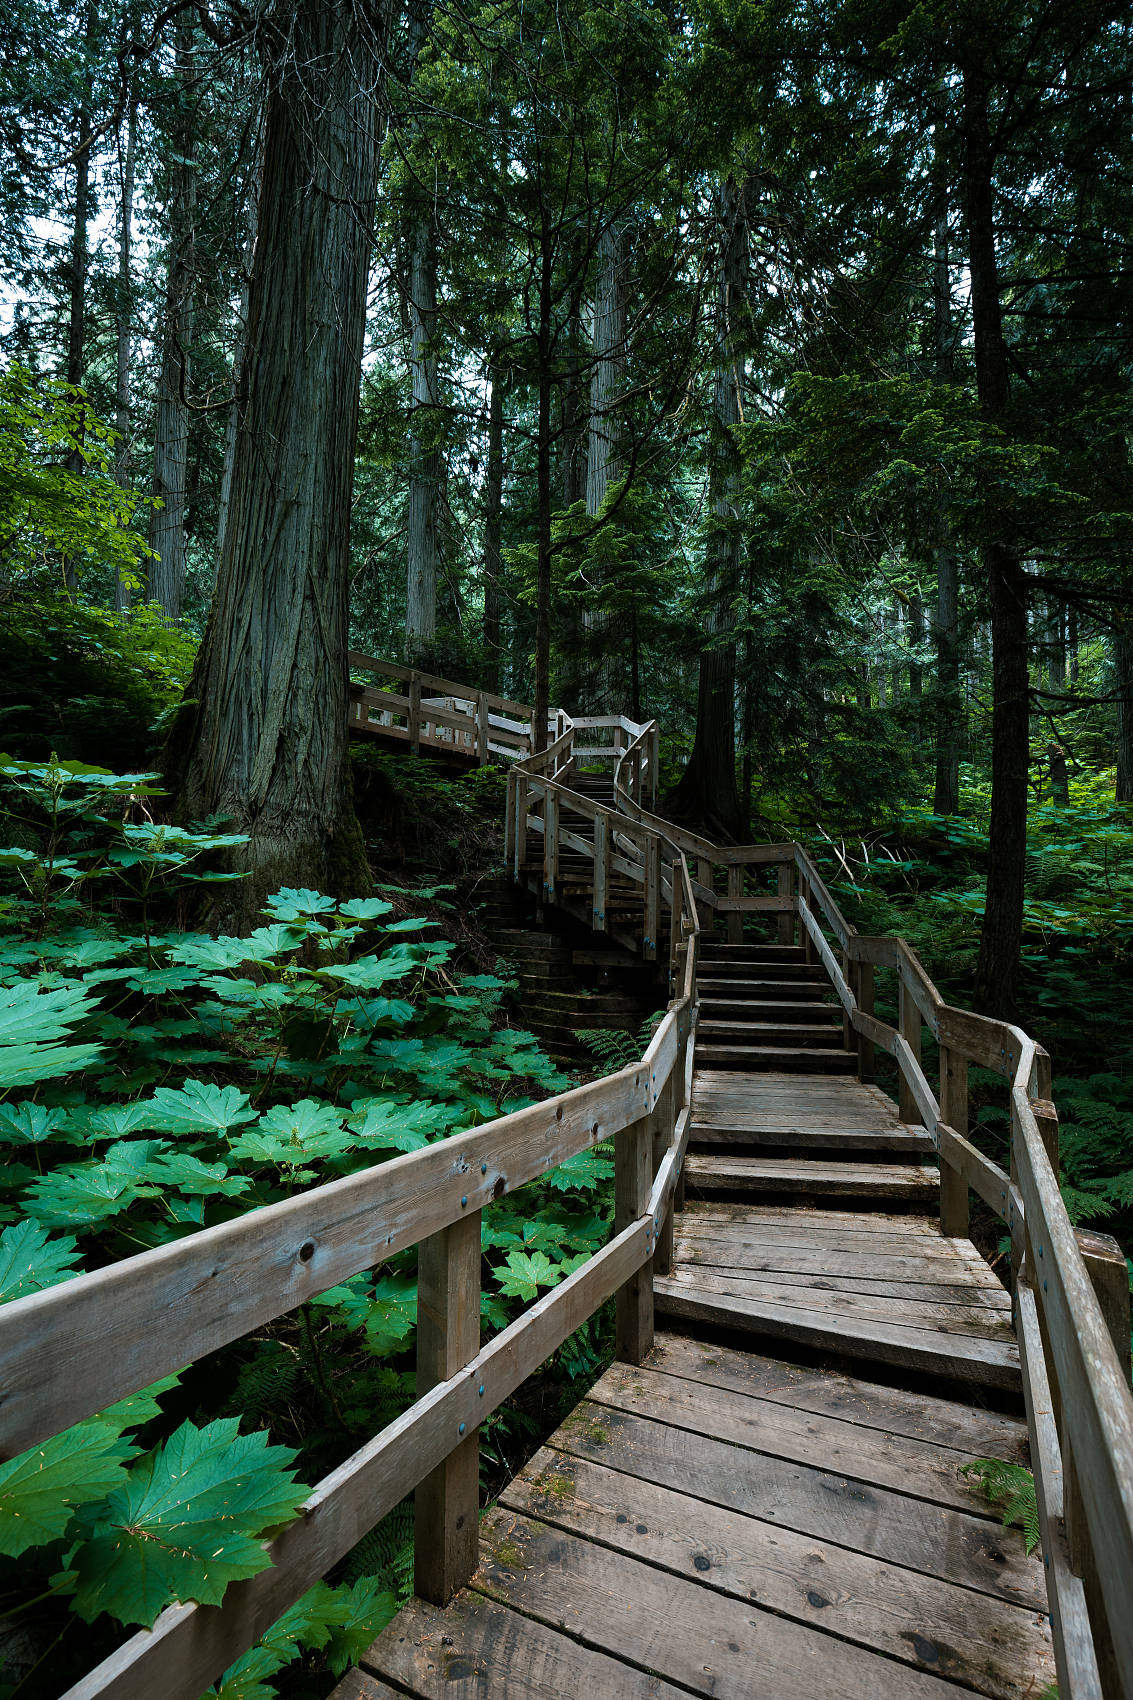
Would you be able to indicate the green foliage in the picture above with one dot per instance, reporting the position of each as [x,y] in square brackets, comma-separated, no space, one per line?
[1011,1488]
[50,510]
[613,1048]
[161,1082]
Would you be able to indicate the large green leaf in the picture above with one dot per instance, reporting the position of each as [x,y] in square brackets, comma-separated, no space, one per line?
[186,1523]
[31,1260]
[199,1107]
[384,1124]
[40,1490]
[292,1134]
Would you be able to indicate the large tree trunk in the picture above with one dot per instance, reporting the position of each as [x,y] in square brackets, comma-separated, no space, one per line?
[573,460]
[997,969]
[949,703]
[493,516]
[603,459]
[124,308]
[544,354]
[171,437]
[251,218]
[707,793]
[262,738]
[1123,677]
[1056,683]
[425,459]
[79,263]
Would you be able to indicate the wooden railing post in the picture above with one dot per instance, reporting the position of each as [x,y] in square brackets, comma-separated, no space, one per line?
[910,1026]
[633,1179]
[849,974]
[785,922]
[483,727]
[550,843]
[652,849]
[415,713]
[954,1114]
[601,870]
[664,1122]
[735,889]
[863,991]
[447,1502]
[654,766]
[520,824]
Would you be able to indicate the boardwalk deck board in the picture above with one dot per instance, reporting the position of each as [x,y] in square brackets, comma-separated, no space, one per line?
[720,1520]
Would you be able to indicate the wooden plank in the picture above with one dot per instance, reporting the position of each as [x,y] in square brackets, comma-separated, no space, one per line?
[969,1429]
[796,1175]
[189,1645]
[956,1292]
[1097,1406]
[910,1023]
[633,1176]
[977,1171]
[705,1641]
[988,1363]
[954,1115]
[358,1685]
[600,902]
[993,1647]
[899,1263]
[1078,1675]
[731,1239]
[722,1212]
[447,1502]
[74,1349]
[917,1468]
[959,1546]
[906,1308]
[478,1648]
[814,1136]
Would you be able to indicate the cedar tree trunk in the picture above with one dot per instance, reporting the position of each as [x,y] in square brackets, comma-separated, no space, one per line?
[262,737]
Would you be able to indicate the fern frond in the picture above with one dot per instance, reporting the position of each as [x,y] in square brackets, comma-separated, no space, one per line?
[1011,1488]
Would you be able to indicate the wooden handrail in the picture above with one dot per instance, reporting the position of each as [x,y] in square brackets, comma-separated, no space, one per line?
[217,1285]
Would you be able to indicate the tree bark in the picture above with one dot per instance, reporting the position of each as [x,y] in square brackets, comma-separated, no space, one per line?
[124,308]
[167,569]
[1056,683]
[262,737]
[493,516]
[603,460]
[251,215]
[79,263]
[1123,676]
[425,458]
[997,968]
[544,354]
[707,794]
[949,703]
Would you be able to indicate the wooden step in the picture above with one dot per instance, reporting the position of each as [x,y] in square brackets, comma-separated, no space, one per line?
[761,952]
[964,1357]
[767,1032]
[755,1009]
[806,1137]
[714,968]
[788,1059]
[762,990]
[749,1176]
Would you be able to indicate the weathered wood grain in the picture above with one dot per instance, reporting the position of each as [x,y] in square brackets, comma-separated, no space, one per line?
[189,1646]
[968,1429]
[989,1363]
[705,1641]
[935,1539]
[993,1647]
[97,1336]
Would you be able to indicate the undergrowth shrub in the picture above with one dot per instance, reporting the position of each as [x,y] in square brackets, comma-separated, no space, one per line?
[155,1083]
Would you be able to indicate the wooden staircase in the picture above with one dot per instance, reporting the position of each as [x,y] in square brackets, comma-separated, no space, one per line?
[764,1006]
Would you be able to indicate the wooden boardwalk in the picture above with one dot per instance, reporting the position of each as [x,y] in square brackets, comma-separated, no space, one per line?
[721,1520]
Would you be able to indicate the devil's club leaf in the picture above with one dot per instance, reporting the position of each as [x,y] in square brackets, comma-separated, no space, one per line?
[31,1260]
[199,1107]
[185,1523]
[40,1489]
